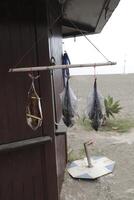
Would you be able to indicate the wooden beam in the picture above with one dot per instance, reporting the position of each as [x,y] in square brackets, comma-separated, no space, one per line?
[53,67]
[24,143]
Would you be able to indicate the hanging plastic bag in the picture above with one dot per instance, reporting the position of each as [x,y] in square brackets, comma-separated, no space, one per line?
[69,105]
[95,108]
[33,109]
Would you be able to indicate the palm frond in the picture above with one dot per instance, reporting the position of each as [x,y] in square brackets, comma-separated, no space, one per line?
[112,107]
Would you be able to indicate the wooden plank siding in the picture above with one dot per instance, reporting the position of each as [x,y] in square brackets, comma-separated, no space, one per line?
[31,173]
[19,173]
[61,152]
[55,50]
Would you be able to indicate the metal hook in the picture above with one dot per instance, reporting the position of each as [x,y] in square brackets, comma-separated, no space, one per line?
[53,61]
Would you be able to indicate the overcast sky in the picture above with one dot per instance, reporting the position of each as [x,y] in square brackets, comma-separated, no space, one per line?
[116,41]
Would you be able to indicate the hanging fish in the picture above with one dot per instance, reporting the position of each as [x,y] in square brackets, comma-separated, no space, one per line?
[33,109]
[95,113]
[69,102]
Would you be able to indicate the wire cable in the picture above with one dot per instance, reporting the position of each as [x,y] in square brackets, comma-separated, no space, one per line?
[74,25]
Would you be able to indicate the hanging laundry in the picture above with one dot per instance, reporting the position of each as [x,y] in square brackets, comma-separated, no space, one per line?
[95,108]
[33,109]
[65,72]
[69,105]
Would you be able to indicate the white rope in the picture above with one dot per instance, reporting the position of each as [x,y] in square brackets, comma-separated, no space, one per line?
[82,34]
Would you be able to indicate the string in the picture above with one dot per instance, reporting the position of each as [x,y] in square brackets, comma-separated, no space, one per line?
[95,73]
[35,43]
[74,25]
[42,36]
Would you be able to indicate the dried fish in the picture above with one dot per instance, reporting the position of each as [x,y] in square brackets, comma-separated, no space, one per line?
[69,102]
[95,112]
[33,109]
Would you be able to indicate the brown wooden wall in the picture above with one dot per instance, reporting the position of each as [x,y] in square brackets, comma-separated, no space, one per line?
[27,38]
[55,50]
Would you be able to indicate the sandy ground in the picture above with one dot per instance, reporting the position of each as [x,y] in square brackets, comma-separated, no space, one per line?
[117,186]
[120,184]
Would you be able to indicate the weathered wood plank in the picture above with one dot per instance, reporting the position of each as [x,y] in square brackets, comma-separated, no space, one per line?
[24,143]
[61,149]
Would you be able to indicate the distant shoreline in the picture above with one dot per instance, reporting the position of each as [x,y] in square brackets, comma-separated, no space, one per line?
[101,74]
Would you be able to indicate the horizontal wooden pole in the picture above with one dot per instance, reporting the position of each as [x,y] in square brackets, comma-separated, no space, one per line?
[24,143]
[53,67]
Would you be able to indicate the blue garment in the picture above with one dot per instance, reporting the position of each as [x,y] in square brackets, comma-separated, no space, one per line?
[65,72]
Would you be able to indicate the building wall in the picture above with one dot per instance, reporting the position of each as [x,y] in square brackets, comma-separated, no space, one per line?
[27,40]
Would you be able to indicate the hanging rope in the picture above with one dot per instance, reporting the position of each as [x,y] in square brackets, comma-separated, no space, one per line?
[36,42]
[95,72]
[82,34]
[62,2]
[55,21]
